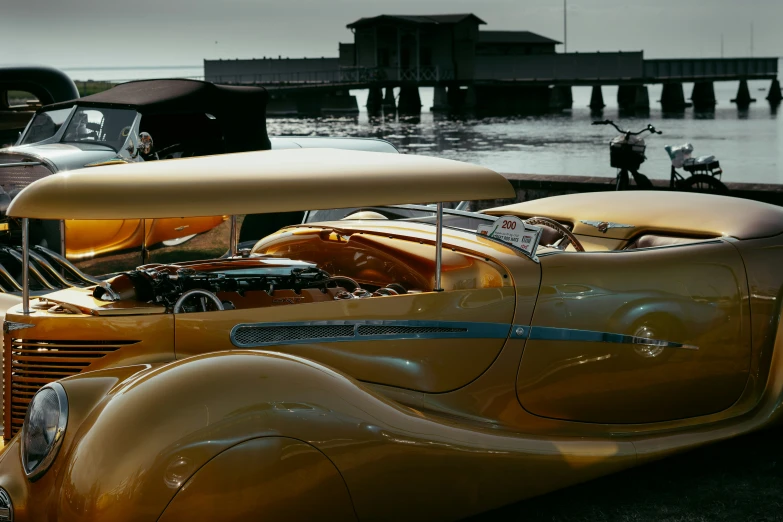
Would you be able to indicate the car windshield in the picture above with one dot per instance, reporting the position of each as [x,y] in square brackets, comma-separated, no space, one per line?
[419,213]
[100,125]
[45,125]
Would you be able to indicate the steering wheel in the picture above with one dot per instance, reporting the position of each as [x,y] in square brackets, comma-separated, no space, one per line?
[338,279]
[171,149]
[204,294]
[565,234]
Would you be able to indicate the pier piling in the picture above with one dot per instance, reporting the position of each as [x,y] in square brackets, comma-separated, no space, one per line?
[673,98]
[774,97]
[374,101]
[409,102]
[597,98]
[632,98]
[743,99]
[389,103]
[703,97]
[440,100]
[560,98]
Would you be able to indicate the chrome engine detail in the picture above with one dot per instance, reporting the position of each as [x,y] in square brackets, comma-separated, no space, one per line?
[203,295]
[224,285]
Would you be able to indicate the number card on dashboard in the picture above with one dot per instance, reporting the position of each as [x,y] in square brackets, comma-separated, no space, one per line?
[513,230]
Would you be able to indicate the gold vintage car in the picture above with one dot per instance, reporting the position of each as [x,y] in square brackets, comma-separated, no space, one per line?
[369,368]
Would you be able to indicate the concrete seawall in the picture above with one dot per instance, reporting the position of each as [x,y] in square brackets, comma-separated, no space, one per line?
[536,186]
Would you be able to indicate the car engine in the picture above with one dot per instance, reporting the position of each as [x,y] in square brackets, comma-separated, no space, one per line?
[166,285]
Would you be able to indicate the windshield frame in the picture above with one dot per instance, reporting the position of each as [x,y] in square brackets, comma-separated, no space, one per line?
[446,211]
[419,208]
[54,138]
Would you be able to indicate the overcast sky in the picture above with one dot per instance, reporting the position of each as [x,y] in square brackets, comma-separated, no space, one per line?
[78,33]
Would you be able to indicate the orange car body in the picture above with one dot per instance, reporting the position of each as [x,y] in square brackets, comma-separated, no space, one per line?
[87,239]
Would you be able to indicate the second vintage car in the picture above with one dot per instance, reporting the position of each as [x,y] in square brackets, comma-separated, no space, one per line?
[23,90]
[381,369]
[135,122]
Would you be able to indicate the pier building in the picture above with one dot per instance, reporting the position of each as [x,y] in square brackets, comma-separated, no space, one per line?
[479,71]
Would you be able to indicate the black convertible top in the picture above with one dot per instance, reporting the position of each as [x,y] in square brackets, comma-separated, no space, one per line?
[172,96]
[241,111]
[47,84]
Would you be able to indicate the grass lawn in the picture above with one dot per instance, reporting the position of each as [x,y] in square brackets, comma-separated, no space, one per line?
[89,87]
[738,480]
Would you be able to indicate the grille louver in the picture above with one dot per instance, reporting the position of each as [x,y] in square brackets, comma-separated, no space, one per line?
[252,336]
[402,330]
[255,335]
[35,363]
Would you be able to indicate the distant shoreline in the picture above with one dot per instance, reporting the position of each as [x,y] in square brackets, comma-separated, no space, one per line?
[138,68]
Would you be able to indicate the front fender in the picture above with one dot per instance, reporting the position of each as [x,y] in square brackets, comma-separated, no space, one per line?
[264,478]
[132,454]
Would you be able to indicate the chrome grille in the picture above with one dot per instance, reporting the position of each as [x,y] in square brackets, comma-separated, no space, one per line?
[20,176]
[367,330]
[255,335]
[35,363]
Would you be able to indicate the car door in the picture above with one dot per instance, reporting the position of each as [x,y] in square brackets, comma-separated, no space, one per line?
[638,336]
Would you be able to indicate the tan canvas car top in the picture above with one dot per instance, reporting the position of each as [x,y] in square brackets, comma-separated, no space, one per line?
[679,213]
[253,183]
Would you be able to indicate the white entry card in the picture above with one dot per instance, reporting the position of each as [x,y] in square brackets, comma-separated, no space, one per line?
[513,230]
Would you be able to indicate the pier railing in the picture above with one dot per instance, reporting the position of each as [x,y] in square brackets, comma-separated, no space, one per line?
[619,68]
[706,69]
[343,75]
[570,69]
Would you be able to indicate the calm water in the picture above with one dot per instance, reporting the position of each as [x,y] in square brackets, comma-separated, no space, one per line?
[748,144]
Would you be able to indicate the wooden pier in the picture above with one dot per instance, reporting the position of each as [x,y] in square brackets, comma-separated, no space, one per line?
[478,71]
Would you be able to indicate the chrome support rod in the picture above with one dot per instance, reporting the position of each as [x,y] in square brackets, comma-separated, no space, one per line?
[234,241]
[25,266]
[62,236]
[438,247]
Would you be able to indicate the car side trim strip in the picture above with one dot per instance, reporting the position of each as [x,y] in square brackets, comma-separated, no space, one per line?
[253,335]
[547,333]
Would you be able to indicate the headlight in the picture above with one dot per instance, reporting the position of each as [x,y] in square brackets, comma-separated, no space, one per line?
[43,429]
